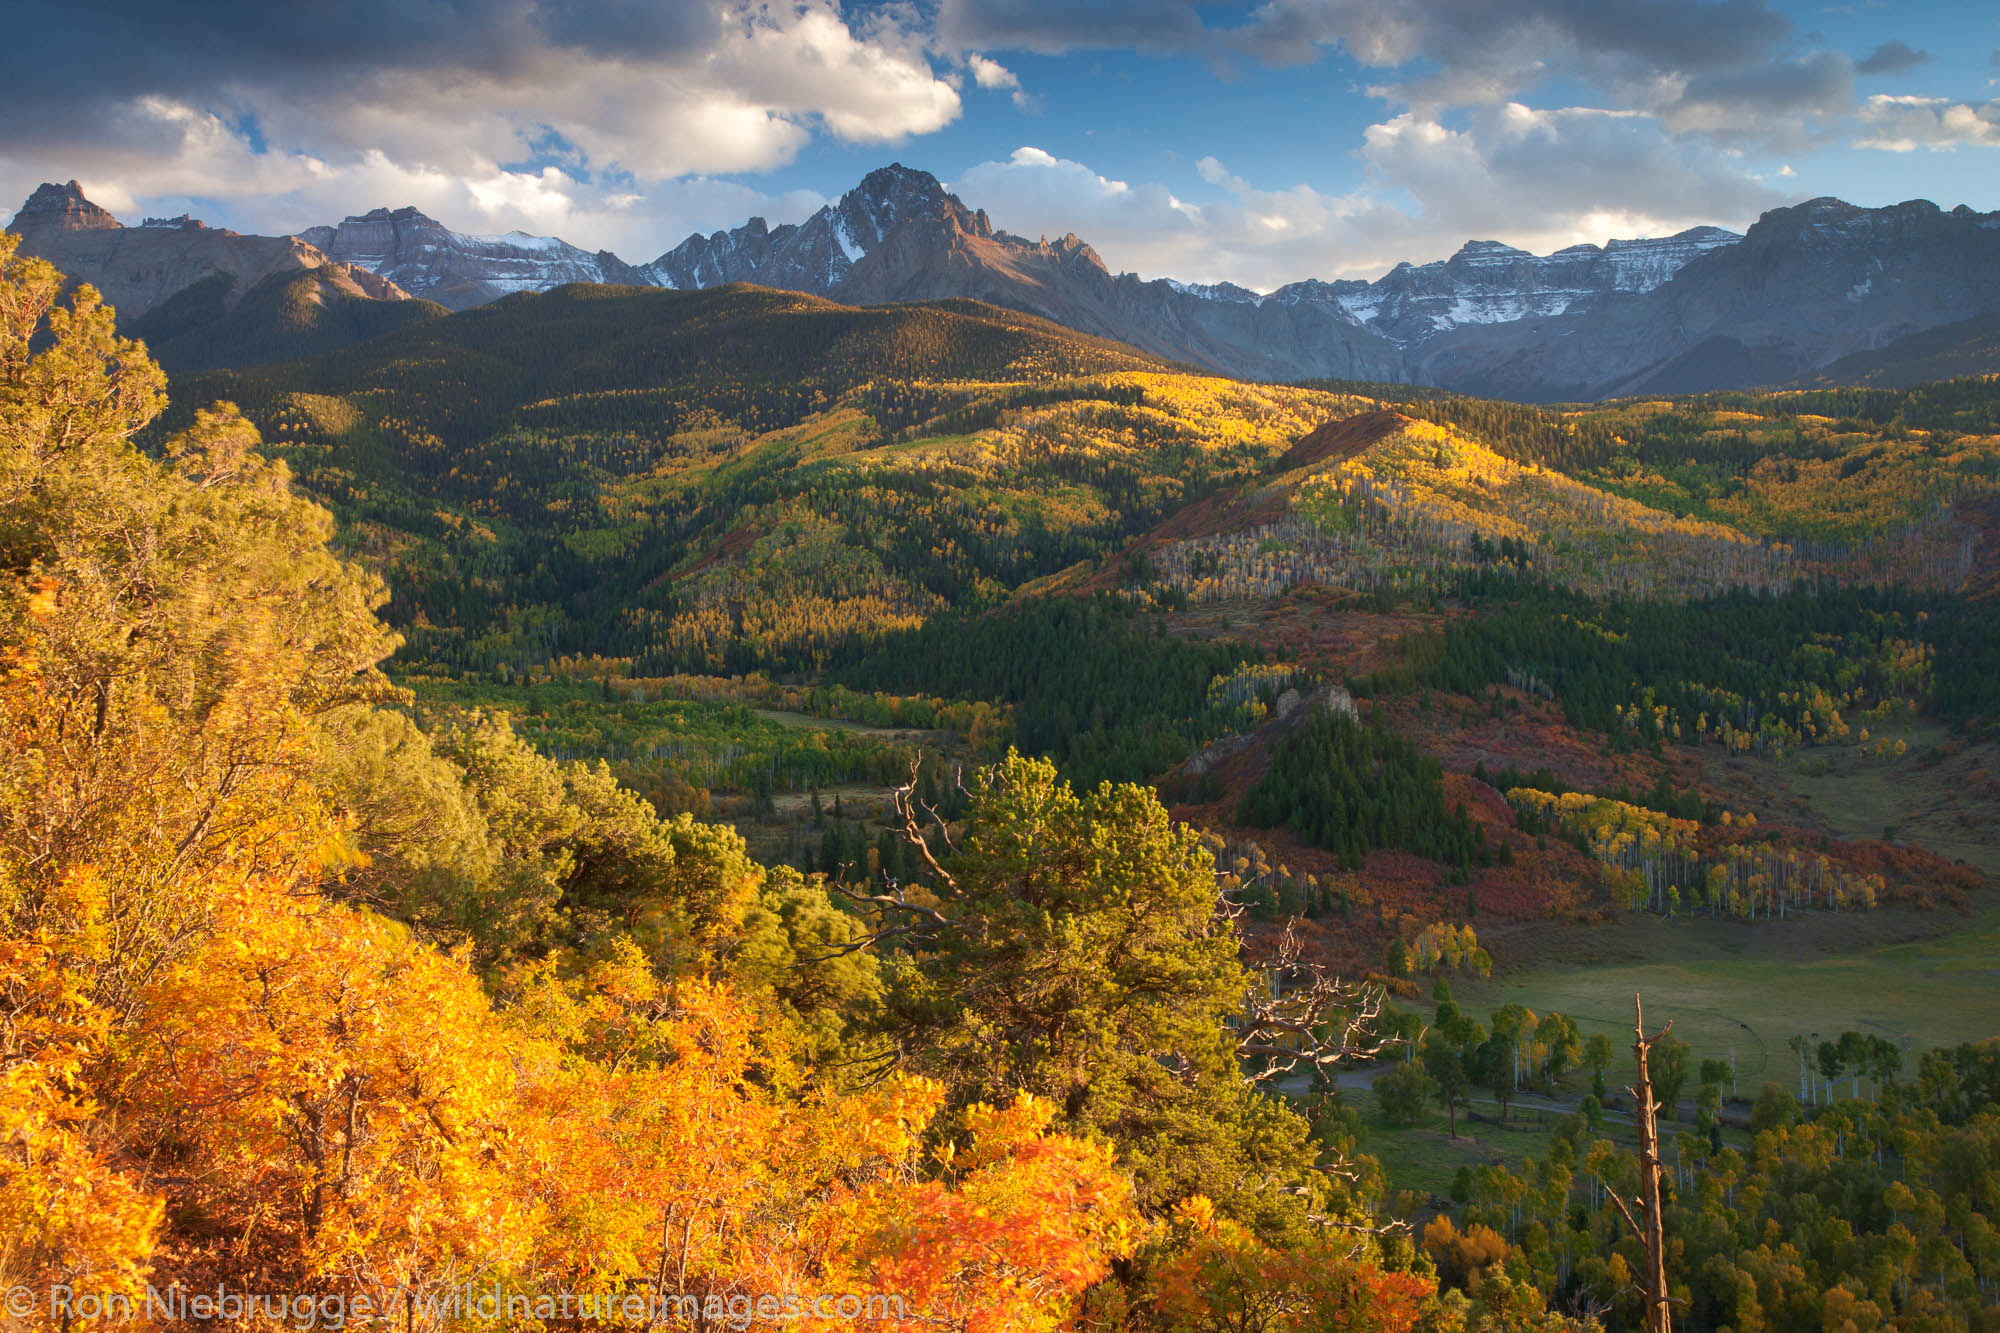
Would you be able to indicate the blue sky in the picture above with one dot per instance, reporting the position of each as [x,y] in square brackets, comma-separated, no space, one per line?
[1256,142]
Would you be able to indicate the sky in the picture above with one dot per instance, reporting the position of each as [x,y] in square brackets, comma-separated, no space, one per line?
[1258,142]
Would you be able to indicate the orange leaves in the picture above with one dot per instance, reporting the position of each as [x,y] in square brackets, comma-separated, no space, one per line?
[335,1090]
[1022,1223]
[68,1213]
[685,1167]
[998,1131]
[1214,1274]
[889,1121]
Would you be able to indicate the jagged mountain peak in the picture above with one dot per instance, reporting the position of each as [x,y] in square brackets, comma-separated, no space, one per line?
[456,269]
[887,198]
[819,254]
[1809,282]
[896,193]
[61,208]
[407,213]
[897,181]
[1483,250]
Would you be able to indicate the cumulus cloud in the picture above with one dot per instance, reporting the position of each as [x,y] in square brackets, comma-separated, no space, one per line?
[1034,192]
[615,123]
[1722,67]
[1902,124]
[1539,179]
[1773,104]
[991,73]
[1689,92]
[553,109]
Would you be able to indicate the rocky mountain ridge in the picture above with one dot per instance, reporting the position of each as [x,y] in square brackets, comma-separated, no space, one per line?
[1807,286]
[1705,308]
[206,296]
[460,270]
[138,268]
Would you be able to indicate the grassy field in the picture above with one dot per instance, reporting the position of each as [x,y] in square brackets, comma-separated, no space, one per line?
[1941,794]
[1741,992]
[1424,1157]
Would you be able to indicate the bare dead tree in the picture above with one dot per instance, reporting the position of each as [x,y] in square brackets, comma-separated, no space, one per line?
[907,807]
[896,916]
[1653,1282]
[1314,1022]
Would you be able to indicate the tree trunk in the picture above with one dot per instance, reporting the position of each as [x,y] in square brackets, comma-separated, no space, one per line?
[1653,1283]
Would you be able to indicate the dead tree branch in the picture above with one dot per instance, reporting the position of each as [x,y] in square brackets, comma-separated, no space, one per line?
[1312,1020]
[904,801]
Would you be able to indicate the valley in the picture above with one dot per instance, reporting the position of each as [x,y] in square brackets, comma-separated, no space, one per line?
[834,618]
[1000,666]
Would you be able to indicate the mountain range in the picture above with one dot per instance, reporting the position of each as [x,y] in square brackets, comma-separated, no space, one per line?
[205,296]
[1808,286]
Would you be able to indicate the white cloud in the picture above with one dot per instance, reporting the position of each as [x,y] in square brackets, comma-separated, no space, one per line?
[277,193]
[1539,179]
[994,76]
[1735,71]
[621,140]
[991,73]
[1902,124]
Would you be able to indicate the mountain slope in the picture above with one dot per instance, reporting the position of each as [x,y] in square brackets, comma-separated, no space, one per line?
[460,271]
[743,479]
[288,314]
[1806,286]
[205,296]
[1950,351]
[737,476]
[618,358]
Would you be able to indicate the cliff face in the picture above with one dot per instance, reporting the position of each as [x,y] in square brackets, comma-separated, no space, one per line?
[1806,286]
[137,268]
[56,209]
[425,258]
[184,286]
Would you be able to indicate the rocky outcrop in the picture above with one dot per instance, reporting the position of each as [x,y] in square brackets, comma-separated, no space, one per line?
[55,210]
[138,268]
[183,286]
[1704,309]
[1806,286]
[428,259]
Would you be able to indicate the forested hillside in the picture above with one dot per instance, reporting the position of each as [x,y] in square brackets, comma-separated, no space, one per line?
[1006,781]
[301,996]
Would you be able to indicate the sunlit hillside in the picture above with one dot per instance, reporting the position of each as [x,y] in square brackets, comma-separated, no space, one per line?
[1423,500]
[742,479]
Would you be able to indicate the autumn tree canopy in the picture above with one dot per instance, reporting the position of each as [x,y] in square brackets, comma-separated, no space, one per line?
[301,992]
